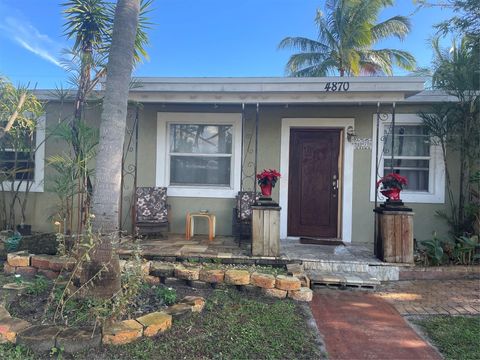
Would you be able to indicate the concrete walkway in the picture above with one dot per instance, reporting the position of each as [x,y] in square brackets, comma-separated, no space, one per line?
[358,325]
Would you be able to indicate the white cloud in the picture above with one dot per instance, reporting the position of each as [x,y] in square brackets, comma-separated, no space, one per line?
[27,36]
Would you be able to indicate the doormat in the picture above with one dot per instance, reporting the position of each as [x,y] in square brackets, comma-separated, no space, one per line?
[316,241]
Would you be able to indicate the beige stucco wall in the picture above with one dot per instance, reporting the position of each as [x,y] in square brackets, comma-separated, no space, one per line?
[41,205]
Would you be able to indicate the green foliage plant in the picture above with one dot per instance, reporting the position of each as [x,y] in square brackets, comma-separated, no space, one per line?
[20,115]
[38,286]
[168,295]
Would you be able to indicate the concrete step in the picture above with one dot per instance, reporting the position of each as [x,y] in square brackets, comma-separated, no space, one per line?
[342,280]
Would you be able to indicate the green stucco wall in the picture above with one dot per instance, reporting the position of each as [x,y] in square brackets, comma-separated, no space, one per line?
[41,205]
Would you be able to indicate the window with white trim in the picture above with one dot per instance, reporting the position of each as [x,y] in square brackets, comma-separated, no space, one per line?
[22,159]
[199,153]
[414,156]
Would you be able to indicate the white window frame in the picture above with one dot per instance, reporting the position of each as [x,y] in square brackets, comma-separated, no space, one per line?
[39,167]
[436,182]
[164,119]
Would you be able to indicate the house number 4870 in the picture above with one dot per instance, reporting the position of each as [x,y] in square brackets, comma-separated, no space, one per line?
[337,86]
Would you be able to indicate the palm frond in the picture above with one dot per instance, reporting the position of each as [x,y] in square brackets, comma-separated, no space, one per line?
[398,26]
[303,44]
[303,60]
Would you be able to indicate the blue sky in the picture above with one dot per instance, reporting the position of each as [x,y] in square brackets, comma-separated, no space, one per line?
[190,38]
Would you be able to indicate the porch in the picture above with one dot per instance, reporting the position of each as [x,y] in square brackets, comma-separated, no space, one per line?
[349,258]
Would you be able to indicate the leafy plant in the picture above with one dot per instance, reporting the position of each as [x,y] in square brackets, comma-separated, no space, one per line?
[38,286]
[465,248]
[432,250]
[168,295]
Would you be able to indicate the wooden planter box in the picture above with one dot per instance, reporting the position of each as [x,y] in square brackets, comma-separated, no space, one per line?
[266,231]
[394,236]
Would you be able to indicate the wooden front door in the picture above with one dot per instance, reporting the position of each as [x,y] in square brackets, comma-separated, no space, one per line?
[313,193]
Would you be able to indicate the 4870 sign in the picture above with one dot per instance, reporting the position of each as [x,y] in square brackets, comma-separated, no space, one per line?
[337,86]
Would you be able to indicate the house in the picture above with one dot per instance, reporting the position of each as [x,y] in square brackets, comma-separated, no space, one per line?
[330,138]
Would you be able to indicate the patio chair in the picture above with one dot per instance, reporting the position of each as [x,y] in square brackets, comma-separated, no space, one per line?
[151,211]
[242,215]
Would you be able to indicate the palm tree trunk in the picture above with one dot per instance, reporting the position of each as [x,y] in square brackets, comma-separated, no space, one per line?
[106,195]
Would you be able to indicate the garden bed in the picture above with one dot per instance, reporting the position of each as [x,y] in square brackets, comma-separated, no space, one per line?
[233,324]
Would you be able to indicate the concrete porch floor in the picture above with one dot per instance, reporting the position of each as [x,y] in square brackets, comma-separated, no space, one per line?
[349,258]
[227,247]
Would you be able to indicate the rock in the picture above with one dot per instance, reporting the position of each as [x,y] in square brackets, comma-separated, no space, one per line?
[122,332]
[19,258]
[9,328]
[41,261]
[187,273]
[152,280]
[15,286]
[287,283]
[161,269]
[295,269]
[4,313]
[179,310]
[73,340]
[197,284]
[155,323]
[265,281]
[39,338]
[212,276]
[304,280]
[172,281]
[276,293]
[27,271]
[237,277]
[304,294]
[49,274]
[196,302]
[8,269]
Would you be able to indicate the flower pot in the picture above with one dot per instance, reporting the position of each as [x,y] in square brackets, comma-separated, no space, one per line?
[266,189]
[392,193]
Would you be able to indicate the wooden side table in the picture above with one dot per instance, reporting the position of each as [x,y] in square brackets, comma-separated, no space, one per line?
[190,224]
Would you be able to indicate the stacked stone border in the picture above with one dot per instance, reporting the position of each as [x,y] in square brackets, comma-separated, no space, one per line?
[42,338]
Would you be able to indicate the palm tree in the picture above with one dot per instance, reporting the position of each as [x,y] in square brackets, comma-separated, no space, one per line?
[89,23]
[106,196]
[345,41]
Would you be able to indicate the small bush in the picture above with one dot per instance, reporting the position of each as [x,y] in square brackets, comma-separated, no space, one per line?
[168,295]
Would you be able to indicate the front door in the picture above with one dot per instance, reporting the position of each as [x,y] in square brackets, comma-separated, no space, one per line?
[313,194]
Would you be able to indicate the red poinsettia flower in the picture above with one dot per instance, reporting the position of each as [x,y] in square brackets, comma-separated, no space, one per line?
[392,180]
[269,176]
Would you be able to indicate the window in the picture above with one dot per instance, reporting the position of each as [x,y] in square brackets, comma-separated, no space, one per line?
[22,160]
[414,156]
[199,153]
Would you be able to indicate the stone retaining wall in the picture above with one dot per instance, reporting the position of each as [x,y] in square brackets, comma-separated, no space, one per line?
[29,265]
[42,338]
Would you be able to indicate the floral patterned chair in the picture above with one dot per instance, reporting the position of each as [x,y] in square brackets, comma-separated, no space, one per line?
[242,215]
[151,211]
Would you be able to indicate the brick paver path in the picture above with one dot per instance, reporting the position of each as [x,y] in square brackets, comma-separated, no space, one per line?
[358,325]
[433,297]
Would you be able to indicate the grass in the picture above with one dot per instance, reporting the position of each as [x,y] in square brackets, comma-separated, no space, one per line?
[233,326]
[457,337]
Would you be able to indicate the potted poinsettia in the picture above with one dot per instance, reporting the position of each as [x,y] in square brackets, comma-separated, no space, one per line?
[391,185]
[267,180]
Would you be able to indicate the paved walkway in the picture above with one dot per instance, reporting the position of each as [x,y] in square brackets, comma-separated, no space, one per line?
[434,297]
[359,325]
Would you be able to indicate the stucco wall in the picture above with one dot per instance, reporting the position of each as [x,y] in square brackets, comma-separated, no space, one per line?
[41,205]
